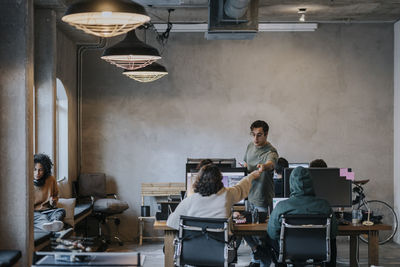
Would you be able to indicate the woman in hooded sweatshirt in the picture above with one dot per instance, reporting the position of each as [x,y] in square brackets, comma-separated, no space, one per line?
[302,201]
[46,214]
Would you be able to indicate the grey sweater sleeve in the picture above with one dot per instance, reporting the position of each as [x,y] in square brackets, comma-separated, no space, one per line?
[173,219]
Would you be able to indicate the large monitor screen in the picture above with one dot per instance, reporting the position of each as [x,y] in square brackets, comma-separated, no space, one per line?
[328,184]
[230,177]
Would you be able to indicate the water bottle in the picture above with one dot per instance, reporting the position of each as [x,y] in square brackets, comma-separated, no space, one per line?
[255,216]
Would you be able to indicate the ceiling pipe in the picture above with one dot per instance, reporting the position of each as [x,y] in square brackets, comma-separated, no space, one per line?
[236,8]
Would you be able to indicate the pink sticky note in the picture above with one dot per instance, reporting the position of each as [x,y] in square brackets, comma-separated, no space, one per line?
[343,172]
[350,176]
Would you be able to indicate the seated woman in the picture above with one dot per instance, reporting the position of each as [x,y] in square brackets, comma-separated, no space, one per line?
[46,214]
[211,199]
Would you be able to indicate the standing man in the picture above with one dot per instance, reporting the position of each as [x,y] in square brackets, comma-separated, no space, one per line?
[261,155]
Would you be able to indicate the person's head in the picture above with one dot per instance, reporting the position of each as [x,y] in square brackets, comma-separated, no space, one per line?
[318,163]
[259,132]
[281,164]
[301,183]
[209,180]
[203,162]
[42,166]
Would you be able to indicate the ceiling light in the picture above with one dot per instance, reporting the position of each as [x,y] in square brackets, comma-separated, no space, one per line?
[147,74]
[302,12]
[131,53]
[106,18]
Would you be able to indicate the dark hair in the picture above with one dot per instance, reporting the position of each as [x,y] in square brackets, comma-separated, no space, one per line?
[209,180]
[260,124]
[318,163]
[203,162]
[46,163]
[280,165]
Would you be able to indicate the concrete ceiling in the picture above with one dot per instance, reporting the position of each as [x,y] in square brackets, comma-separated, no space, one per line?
[196,11]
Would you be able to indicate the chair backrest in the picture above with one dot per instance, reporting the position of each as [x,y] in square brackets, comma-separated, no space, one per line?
[305,239]
[202,242]
[92,185]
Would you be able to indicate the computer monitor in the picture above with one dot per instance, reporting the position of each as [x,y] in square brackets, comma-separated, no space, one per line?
[294,165]
[230,176]
[328,184]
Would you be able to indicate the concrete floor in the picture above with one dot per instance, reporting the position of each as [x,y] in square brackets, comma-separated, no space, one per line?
[389,254]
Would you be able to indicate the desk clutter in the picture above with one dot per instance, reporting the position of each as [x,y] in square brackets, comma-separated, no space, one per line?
[251,217]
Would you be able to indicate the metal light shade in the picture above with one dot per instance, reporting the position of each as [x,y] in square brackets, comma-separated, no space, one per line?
[147,74]
[131,53]
[106,18]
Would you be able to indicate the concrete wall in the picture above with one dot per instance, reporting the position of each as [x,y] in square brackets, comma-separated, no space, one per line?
[67,73]
[16,123]
[326,94]
[397,123]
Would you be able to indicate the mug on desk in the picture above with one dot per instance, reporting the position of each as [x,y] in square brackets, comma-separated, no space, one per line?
[356,216]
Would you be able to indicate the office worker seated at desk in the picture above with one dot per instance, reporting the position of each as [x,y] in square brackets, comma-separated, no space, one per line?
[302,201]
[46,214]
[211,199]
[318,163]
[280,165]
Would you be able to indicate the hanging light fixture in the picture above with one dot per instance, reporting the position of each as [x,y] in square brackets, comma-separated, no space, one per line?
[106,18]
[131,53]
[147,74]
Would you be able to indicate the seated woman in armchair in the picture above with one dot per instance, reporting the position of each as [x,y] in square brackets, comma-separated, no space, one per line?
[46,214]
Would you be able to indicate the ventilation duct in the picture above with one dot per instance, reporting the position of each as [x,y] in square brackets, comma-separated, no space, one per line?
[232,19]
[236,8]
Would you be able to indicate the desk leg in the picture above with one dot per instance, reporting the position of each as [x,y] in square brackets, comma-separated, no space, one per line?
[353,250]
[140,231]
[373,248]
[169,248]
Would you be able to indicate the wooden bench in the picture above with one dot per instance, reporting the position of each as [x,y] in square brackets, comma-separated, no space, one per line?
[157,190]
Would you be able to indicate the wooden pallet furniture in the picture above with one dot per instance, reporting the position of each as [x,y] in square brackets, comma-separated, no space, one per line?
[156,190]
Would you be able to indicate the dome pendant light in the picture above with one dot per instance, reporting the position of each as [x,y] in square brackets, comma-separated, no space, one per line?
[147,74]
[106,18]
[131,53]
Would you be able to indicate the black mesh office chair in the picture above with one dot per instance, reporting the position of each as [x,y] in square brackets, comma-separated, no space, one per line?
[305,240]
[202,242]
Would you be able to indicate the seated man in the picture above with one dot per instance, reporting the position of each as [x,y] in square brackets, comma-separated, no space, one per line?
[280,165]
[318,163]
[46,214]
[302,201]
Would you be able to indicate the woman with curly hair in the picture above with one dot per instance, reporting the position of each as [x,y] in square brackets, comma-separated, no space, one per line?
[211,199]
[46,214]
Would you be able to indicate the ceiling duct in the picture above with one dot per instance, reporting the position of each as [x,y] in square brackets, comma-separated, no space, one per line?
[232,19]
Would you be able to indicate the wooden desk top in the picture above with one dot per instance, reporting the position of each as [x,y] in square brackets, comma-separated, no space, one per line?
[162,225]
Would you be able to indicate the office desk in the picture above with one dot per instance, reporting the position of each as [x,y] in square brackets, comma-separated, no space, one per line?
[373,240]
[260,229]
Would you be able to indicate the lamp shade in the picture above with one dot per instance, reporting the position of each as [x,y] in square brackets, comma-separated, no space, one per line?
[147,74]
[131,53]
[106,18]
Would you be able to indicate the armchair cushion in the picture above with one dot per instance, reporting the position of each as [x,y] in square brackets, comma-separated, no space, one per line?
[110,206]
[68,204]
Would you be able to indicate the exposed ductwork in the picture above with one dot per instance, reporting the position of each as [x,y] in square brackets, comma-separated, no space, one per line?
[232,19]
[236,8]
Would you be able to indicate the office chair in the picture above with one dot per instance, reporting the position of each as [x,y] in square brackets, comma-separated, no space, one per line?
[93,185]
[305,239]
[202,242]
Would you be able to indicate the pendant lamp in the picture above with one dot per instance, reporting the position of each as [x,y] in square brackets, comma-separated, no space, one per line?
[131,53]
[106,18]
[147,74]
